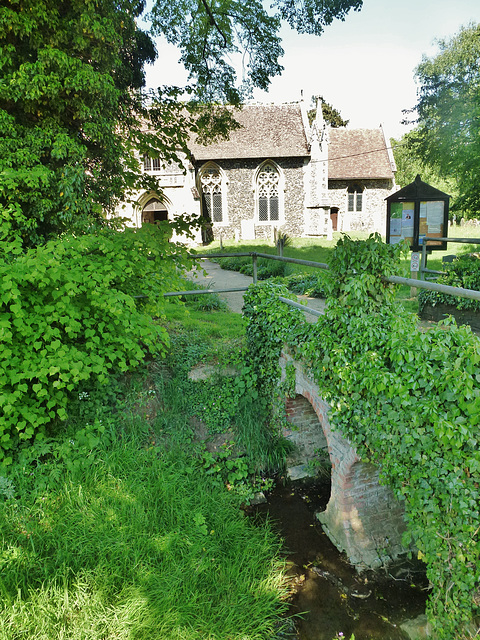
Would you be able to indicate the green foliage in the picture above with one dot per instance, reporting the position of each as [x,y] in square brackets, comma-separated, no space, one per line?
[354,279]
[6,488]
[448,109]
[281,239]
[202,302]
[265,268]
[408,401]
[218,403]
[208,34]
[311,284]
[331,115]
[463,272]
[234,472]
[136,542]
[68,316]
[69,111]
[410,162]
[233,403]
[314,15]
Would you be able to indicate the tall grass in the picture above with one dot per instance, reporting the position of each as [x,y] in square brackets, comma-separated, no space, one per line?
[262,445]
[138,544]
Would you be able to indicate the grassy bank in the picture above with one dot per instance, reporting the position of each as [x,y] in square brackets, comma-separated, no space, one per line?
[123,527]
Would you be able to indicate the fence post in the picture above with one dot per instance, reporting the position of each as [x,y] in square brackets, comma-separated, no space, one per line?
[423,262]
[254,261]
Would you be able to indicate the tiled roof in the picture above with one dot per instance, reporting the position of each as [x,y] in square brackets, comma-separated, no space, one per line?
[358,153]
[266,131]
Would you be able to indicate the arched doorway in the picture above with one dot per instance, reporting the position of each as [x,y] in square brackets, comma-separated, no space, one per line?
[154,211]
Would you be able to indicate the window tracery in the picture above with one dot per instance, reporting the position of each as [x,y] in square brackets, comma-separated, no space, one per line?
[268,181]
[212,190]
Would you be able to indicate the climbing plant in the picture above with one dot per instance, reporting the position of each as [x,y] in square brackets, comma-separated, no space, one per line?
[408,400]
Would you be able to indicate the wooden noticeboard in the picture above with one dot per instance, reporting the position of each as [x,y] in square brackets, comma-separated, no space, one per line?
[416,212]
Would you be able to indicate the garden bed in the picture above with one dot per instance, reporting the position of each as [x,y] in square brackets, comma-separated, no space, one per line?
[441,310]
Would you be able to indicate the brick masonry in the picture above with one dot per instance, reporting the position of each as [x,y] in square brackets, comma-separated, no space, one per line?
[362,517]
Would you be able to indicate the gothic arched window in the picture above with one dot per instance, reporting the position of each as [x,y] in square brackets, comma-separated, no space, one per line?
[268,193]
[212,184]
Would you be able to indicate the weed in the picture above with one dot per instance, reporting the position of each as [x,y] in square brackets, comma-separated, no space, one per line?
[7,488]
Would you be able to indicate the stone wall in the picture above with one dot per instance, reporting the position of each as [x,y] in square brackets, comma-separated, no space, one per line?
[362,517]
[240,175]
[373,216]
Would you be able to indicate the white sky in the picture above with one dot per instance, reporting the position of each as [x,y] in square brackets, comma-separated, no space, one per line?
[363,66]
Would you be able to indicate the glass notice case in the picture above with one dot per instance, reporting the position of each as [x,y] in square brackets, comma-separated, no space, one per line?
[416,212]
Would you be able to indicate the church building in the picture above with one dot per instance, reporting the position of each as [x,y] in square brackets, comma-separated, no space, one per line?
[276,171]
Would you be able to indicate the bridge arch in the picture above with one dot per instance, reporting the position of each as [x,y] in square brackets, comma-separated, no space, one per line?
[363,518]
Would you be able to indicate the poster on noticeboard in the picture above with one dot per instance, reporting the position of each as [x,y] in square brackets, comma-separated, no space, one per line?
[401,221]
[415,221]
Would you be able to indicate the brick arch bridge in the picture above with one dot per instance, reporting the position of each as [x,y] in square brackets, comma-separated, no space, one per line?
[363,517]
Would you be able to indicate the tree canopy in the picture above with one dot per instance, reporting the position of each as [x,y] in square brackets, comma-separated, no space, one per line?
[209,33]
[409,164]
[331,115]
[71,111]
[448,108]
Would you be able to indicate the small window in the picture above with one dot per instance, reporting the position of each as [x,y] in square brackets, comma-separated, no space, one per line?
[268,194]
[355,198]
[151,164]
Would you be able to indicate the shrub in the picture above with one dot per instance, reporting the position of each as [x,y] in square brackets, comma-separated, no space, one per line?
[310,284]
[462,272]
[68,315]
[265,268]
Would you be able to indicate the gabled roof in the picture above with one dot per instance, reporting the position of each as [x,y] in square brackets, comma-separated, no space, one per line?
[417,190]
[266,131]
[357,154]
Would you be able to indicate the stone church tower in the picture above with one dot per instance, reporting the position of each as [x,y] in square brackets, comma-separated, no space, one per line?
[317,218]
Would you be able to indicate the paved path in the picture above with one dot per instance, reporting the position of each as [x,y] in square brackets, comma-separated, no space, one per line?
[218,278]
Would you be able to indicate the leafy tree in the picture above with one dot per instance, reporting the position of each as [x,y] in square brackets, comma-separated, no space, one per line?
[448,136]
[410,164]
[331,115]
[209,33]
[71,111]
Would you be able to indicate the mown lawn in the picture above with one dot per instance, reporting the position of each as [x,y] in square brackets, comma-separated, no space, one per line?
[319,250]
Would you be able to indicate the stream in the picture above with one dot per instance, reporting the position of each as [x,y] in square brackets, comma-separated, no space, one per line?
[333,600]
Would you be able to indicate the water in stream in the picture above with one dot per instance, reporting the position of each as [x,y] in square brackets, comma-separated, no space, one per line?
[331,596]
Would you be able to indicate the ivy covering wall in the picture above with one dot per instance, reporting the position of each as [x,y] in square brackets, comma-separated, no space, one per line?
[408,400]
